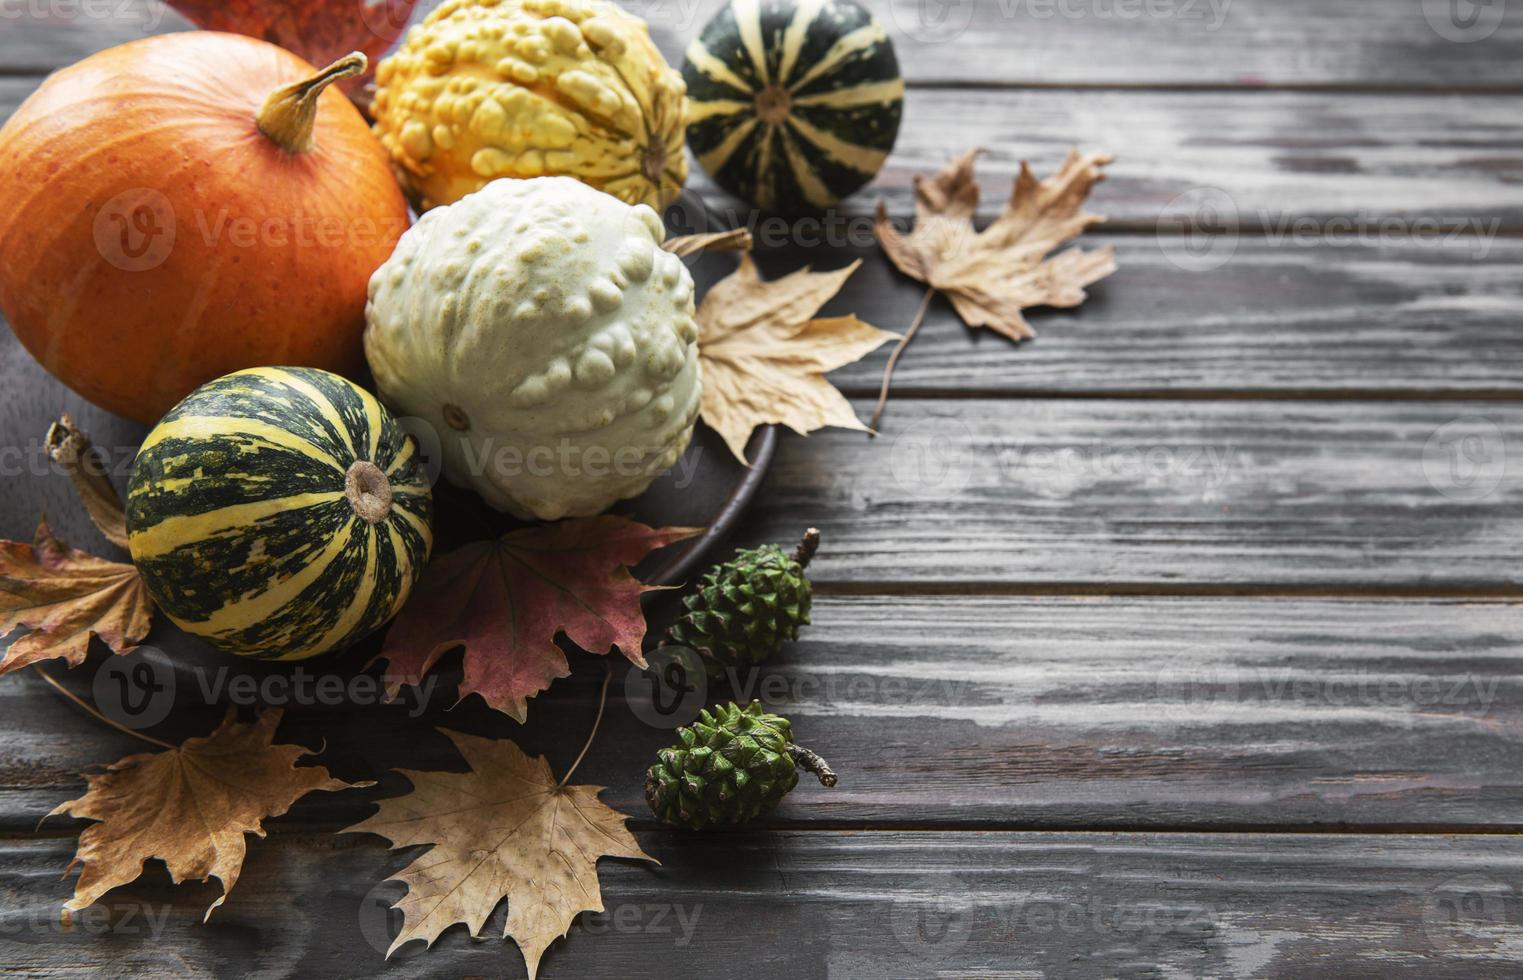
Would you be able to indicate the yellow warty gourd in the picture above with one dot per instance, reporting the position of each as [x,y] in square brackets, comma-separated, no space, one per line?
[483,89]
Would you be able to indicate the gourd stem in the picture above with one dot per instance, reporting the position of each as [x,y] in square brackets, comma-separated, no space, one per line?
[807,547]
[72,451]
[811,762]
[368,491]
[289,115]
[653,165]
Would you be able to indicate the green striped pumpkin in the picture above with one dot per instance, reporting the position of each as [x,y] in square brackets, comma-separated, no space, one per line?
[792,104]
[279,513]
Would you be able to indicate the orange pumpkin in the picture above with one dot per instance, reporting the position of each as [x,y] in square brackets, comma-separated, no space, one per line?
[188,205]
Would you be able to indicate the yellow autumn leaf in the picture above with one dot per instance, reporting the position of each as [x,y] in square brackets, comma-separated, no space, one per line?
[765,358]
[65,596]
[992,276]
[189,806]
[506,829]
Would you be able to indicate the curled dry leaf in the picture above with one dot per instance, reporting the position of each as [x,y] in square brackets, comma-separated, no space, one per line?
[993,275]
[506,600]
[190,807]
[765,359]
[65,596]
[735,240]
[506,829]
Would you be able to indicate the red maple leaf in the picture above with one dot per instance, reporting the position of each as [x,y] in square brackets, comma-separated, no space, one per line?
[507,600]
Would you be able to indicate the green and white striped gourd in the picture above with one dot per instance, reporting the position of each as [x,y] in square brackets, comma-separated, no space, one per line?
[792,104]
[279,513]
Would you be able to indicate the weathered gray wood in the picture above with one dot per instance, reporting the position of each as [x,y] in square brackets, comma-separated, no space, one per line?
[1406,320]
[863,905]
[1413,320]
[1116,494]
[997,712]
[1101,494]
[1254,160]
[1024,42]
[1293,166]
[958,718]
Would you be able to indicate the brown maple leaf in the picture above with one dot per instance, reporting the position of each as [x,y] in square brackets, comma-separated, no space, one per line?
[506,600]
[765,360]
[65,596]
[993,275]
[506,829]
[189,806]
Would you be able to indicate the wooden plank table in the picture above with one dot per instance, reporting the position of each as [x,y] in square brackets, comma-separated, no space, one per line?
[1183,641]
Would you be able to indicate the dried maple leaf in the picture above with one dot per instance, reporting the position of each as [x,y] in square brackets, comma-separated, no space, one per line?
[734,240]
[765,360]
[506,600]
[992,276]
[506,829]
[189,806]
[65,596]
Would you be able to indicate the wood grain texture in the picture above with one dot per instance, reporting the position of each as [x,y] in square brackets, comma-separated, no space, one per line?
[1222,437]
[1022,42]
[993,712]
[1278,318]
[1070,493]
[1159,494]
[818,905]
[1291,166]
[1108,495]
[1256,161]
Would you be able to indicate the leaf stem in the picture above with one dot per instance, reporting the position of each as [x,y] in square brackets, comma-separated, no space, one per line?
[602,703]
[96,714]
[893,359]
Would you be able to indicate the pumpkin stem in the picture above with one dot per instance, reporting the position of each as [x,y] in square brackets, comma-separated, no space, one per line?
[290,112]
[368,490]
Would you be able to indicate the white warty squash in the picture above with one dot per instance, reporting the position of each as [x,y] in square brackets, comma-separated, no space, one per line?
[542,331]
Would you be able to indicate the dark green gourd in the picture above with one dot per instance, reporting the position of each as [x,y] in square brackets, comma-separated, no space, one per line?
[792,104]
[279,513]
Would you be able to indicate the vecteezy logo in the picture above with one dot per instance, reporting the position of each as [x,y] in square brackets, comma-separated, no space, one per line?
[135,230]
[1186,687]
[386,19]
[671,689]
[379,921]
[689,215]
[1466,459]
[931,458]
[1468,913]
[426,444]
[931,919]
[137,690]
[931,21]
[1464,21]
[1197,230]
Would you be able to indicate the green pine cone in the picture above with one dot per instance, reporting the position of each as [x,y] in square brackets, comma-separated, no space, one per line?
[744,610]
[733,764]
